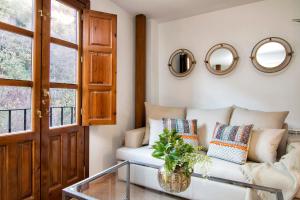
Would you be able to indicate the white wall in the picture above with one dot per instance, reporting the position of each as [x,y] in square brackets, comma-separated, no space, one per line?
[243,27]
[104,140]
[152,52]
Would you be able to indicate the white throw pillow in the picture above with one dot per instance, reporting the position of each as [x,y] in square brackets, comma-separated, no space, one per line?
[156,128]
[264,144]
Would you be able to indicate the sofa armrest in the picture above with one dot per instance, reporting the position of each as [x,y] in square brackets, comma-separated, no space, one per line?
[292,138]
[134,138]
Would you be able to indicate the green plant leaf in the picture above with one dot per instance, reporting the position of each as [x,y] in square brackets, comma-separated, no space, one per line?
[177,154]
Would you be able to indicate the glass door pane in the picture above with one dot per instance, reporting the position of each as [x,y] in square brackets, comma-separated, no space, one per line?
[63,65]
[15,109]
[15,56]
[17,12]
[63,22]
[63,107]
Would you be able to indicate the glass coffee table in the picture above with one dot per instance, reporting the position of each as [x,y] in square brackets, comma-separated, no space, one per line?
[106,185]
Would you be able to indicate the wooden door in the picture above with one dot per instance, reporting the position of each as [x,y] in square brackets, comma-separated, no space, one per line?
[62,138]
[99,68]
[19,100]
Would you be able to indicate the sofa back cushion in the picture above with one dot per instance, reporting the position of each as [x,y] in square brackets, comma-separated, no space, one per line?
[206,121]
[160,112]
[230,143]
[264,144]
[261,120]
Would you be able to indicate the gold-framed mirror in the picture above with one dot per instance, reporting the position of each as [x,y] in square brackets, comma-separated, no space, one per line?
[271,55]
[221,59]
[181,62]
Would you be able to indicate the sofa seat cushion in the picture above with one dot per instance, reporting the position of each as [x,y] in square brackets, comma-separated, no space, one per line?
[142,154]
[223,169]
[219,168]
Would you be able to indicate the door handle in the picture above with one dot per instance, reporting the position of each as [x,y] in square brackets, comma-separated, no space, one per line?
[39,113]
[46,93]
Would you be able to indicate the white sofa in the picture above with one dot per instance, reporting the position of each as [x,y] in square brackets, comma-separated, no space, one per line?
[201,188]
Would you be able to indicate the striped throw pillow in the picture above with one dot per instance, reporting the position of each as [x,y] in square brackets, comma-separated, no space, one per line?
[230,143]
[186,128]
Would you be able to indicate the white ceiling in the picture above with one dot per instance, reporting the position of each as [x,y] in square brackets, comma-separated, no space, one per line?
[165,10]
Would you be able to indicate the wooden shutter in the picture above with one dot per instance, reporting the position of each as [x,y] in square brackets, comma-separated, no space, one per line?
[99,68]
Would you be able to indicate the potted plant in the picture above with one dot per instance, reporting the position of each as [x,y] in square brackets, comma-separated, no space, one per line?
[180,157]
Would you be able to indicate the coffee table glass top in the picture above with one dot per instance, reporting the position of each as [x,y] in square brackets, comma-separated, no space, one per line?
[107,185]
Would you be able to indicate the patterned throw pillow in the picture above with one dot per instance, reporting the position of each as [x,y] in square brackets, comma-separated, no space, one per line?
[186,128]
[230,143]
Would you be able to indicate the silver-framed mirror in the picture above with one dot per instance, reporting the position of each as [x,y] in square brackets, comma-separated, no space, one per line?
[271,54]
[181,62]
[221,59]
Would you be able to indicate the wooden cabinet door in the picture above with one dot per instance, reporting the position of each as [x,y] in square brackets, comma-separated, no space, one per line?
[99,68]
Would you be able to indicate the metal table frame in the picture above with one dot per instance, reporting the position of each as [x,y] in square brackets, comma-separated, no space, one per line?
[73,190]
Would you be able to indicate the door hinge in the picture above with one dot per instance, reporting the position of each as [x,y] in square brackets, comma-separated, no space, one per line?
[81,59]
[81,17]
[81,111]
[115,35]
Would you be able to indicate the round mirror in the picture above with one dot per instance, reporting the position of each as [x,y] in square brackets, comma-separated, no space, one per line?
[271,55]
[181,62]
[221,59]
